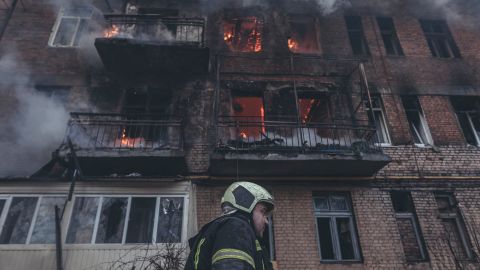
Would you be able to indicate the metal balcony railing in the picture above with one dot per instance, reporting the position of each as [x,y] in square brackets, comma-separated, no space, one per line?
[120,131]
[250,133]
[154,28]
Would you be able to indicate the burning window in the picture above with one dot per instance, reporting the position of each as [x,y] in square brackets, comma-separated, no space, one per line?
[243,34]
[409,229]
[29,220]
[389,36]
[143,105]
[439,39]
[249,111]
[468,114]
[109,216]
[417,122]
[313,108]
[303,37]
[356,35]
[69,27]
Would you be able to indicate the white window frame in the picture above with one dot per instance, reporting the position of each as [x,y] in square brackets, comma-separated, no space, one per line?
[127,217]
[388,141]
[6,209]
[56,26]
[424,126]
[332,216]
[470,125]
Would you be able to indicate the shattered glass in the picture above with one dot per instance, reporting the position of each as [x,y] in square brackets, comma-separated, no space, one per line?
[112,220]
[83,220]
[65,32]
[44,228]
[170,220]
[19,218]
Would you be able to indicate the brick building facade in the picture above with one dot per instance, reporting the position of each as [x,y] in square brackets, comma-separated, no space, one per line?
[362,119]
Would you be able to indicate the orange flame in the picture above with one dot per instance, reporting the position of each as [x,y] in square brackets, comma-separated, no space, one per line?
[292,44]
[247,37]
[112,32]
[243,135]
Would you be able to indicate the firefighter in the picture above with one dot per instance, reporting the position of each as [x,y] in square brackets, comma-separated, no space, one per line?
[230,242]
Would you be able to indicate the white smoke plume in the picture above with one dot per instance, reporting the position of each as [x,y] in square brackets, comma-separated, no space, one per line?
[34,125]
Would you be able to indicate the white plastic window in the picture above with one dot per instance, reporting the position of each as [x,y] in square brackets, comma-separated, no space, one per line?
[127,219]
[69,27]
[29,219]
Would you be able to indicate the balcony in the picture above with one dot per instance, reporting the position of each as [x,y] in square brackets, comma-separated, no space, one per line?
[153,45]
[118,144]
[291,148]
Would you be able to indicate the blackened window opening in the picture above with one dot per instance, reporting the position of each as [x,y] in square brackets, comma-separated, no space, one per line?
[303,38]
[356,35]
[439,39]
[416,120]
[468,115]
[376,117]
[389,36]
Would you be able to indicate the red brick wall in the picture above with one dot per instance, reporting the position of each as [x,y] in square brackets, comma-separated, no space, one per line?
[441,120]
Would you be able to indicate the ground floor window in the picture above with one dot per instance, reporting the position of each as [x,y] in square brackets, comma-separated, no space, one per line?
[28,219]
[336,227]
[127,219]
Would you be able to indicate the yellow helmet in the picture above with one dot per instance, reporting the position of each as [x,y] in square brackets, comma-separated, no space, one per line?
[244,196]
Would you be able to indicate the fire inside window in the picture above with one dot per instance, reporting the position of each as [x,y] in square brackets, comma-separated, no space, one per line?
[243,34]
[250,111]
[303,37]
[439,39]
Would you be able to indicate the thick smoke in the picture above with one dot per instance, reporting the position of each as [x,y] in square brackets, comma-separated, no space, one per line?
[35,123]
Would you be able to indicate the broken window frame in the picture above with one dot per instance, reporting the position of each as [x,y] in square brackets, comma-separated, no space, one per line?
[259,27]
[423,136]
[357,32]
[154,231]
[410,215]
[455,215]
[468,113]
[77,32]
[33,222]
[380,123]
[332,216]
[389,36]
[435,39]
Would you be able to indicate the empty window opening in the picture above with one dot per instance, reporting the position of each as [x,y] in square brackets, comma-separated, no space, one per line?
[377,119]
[243,34]
[468,115]
[439,39]
[417,122]
[410,234]
[303,37]
[71,24]
[249,111]
[29,219]
[127,219]
[356,35]
[389,36]
[336,228]
[455,232]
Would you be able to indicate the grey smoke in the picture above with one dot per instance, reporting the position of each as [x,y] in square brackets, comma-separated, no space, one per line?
[34,125]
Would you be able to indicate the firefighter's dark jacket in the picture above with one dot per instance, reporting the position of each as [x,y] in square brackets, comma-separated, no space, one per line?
[227,243]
